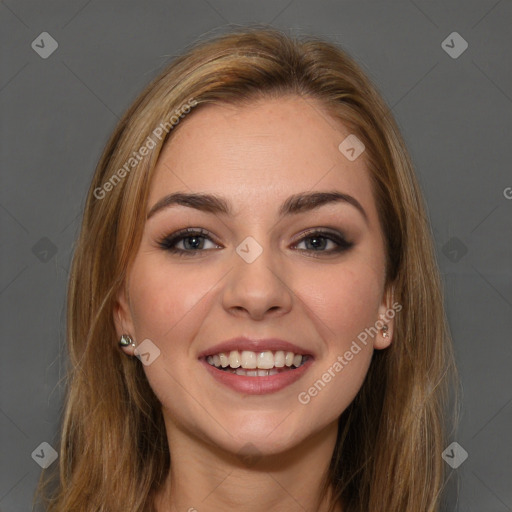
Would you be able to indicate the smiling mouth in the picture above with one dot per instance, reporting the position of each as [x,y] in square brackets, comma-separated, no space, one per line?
[257,364]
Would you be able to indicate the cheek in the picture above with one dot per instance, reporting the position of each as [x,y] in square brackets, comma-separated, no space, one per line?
[162,296]
[344,301]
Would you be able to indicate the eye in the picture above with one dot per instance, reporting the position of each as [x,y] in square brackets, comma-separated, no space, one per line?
[193,239]
[194,242]
[319,239]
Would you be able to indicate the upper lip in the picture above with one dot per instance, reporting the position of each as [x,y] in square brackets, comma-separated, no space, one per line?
[254,345]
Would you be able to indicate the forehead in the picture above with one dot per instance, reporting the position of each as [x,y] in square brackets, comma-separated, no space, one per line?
[271,148]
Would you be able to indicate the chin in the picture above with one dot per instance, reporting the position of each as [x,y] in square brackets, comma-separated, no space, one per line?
[265,435]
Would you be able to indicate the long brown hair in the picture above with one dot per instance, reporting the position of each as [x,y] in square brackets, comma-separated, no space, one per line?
[113,447]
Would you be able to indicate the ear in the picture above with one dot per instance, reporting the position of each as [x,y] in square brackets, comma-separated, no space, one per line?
[123,318]
[387,311]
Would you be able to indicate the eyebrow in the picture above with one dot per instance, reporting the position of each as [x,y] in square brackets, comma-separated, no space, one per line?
[295,204]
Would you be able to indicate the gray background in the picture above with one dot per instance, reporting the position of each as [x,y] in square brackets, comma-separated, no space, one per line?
[455,115]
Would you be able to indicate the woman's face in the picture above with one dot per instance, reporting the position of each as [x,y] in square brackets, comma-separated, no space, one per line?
[257,271]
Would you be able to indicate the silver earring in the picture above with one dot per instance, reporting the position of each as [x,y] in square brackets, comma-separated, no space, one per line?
[385,333]
[126,341]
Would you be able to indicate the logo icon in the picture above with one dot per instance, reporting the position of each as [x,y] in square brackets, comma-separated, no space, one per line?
[249,249]
[351,147]
[147,352]
[44,455]
[454,45]
[44,45]
[454,249]
[44,249]
[454,455]
[249,454]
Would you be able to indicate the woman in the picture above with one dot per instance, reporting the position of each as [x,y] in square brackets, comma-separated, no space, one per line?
[255,315]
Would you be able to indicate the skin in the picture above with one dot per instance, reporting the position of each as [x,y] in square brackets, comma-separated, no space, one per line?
[255,156]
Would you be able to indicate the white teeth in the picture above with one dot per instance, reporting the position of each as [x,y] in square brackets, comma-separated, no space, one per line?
[254,373]
[279,359]
[234,359]
[266,362]
[249,359]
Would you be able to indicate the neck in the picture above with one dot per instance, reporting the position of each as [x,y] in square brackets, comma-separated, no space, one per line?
[205,478]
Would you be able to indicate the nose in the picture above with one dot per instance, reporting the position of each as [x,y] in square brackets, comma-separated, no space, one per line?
[258,288]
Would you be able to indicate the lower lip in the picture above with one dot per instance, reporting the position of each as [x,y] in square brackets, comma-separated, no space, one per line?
[258,385]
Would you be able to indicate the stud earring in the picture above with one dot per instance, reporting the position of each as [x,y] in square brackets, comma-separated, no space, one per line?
[126,341]
[385,333]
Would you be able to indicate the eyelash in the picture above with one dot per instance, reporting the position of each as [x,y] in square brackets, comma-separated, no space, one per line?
[168,242]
